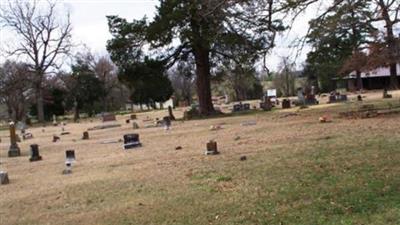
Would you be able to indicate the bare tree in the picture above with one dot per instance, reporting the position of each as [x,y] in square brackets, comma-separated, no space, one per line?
[14,88]
[285,80]
[43,39]
[388,11]
[106,71]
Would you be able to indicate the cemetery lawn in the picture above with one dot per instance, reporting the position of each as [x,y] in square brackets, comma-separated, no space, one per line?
[298,171]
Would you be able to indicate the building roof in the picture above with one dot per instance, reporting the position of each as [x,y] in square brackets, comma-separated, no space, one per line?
[378,72]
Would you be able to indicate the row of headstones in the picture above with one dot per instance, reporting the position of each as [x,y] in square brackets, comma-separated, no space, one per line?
[130,141]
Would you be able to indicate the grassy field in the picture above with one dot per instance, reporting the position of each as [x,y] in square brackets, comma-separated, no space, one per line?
[298,171]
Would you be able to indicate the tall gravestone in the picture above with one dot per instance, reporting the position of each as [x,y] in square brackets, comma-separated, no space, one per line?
[212,148]
[171,115]
[14,150]
[35,156]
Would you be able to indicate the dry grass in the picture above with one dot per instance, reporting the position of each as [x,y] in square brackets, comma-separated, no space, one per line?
[298,171]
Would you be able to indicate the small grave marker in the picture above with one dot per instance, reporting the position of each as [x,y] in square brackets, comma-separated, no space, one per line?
[14,149]
[133,117]
[131,141]
[56,138]
[135,125]
[127,121]
[212,148]
[109,117]
[167,122]
[4,178]
[27,136]
[85,135]
[35,156]
[286,104]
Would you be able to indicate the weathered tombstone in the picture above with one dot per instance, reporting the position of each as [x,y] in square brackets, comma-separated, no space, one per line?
[131,141]
[133,117]
[249,123]
[332,98]
[27,136]
[237,107]
[55,120]
[212,148]
[70,155]
[286,104]
[246,106]
[135,125]
[171,115]
[4,178]
[35,156]
[167,122]
[385,93]
[127,121]
[85,135]
[109,117]
[266,105]
[56,138]
[69,160]
[300,96]
[359,98]
[14,149]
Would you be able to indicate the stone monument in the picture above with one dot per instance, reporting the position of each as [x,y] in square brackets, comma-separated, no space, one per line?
[212,148]
[14,150]
[35,156]
[131,141]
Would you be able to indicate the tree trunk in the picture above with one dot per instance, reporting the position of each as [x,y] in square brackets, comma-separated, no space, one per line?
[76,114]
[359,84]
[391,44]
[40,104]
[394,83]
[203,83]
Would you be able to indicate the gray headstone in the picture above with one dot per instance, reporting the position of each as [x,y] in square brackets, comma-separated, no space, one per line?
[4,178]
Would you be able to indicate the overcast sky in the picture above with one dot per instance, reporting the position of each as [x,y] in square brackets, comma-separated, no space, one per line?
[90,27]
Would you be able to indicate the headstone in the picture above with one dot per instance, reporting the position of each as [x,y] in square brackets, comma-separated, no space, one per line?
[167,122]
[127,121]
[4,178]
[332,98]
[246,106]
[249,123]
[70,156]
[133,117]
[385,93]
[135,125]
[171,115]
[27,136]
[359,98]
[14,149]
[266,105]
[286,104]
[108,117]
[300,96]
[35,156]
[85,135]
[212,148]
[56,138]
[55,120]
[237,108]
[131,141]
[69,160]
